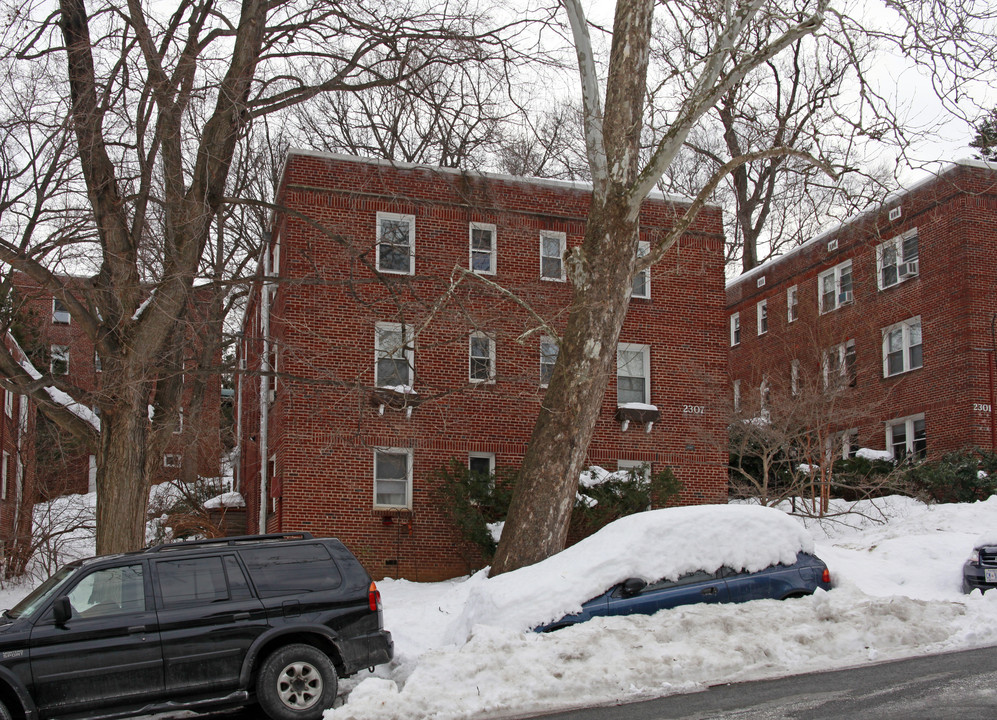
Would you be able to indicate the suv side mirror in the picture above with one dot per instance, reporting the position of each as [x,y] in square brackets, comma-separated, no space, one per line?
[632,586]
[62,610]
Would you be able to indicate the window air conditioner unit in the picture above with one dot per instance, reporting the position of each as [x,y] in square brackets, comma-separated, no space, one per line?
[908,269]
[845,296]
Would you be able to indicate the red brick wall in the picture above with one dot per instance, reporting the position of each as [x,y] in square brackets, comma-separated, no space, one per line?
[955,215]
[323,424]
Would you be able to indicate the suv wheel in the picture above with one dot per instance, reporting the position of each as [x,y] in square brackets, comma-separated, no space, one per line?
[296,682]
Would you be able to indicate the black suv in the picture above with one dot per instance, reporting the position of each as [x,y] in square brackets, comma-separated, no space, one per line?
[271,618]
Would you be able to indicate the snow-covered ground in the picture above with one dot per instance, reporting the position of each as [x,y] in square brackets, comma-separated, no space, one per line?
[461,650]
[896,565]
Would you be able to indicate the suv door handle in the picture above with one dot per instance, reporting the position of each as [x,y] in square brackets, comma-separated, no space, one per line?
[133,629]
[241,616]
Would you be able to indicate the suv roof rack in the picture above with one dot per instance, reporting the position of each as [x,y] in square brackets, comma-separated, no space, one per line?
[235,540]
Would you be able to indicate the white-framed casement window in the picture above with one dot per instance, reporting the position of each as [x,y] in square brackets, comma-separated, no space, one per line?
[735,329]
[633,373]
[548,358]
[849,443]
[792,303]
[643,469]
[834,287]
[172,460]
[905,437]
[59,364]
[839,365]
[392,478]
[762,315]
[396,243]
[60,314]
[794,377]
[642,280]
[902,347]
[482,248]
[394,355]
[8,403]
[552,246]
[481,358]
[897,259]
[178,430]
[481,464]
[737,396]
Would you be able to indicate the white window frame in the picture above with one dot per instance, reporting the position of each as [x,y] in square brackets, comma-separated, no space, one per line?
[644,467]
[735,329]
[909,423]
[59,352]
[60,315]
[645,351]
[396,217]
[794,377]
[407,350]
[842,369]
[178,430]
[792,303]
[8,403]
[409,455]
[472,252]
[905,265]
[848,443]
[562,240]
[643,250]
[764,395]
[548,341]
[490,457]
[172,460]
[842,295]
[762,316]
[905,329]
[3,475]
[489,359]
[737,396]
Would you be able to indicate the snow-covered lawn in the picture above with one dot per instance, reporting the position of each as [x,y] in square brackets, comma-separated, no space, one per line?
[461,652]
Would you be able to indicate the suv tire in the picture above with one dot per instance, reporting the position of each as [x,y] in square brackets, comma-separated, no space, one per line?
[296,682]
[4,712]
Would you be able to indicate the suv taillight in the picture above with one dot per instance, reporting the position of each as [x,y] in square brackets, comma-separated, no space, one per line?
[373,598]
[826,576]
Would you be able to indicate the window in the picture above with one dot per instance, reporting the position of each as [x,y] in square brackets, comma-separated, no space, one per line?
[737,396]
[548,357]
[849,444]
[3,475]
[735,329]
[642,280]
[60,315]
[897,260]
[902,347]
[835,287]
[633,377]
[394,355]
[172,460]
[291,570]
[552,245]
[482,248]
[183,583]
[839,366]
[97,367]
[794,377]
[396,243]
[60,360]
[763,317]
[111,591]
[481,464]
[481,358]
[8,403]
[792,304]
[764,394]
[905,437]
[178,430]
[641,469]
[392,478]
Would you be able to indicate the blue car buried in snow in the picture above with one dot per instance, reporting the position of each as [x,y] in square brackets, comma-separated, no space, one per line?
[637,596]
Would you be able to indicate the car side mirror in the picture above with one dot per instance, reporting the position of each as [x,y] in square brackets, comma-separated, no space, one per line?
[62,610]
[632,586]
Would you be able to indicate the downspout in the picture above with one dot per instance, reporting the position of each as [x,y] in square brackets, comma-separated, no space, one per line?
[264,382]
[240,364]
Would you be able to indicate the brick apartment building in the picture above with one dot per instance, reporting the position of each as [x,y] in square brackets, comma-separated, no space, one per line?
[400,324]
[17,472]
[894,311]
[55,344]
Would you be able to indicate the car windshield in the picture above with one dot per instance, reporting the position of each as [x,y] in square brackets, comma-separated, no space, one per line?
[40,594]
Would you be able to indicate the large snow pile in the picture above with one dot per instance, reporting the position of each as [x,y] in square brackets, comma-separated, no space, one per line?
[896,568]
[653,545]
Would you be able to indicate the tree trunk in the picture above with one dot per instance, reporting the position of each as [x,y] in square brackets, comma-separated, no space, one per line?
[122,481]
[543,498]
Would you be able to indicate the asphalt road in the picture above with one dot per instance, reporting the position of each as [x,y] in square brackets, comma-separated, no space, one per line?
[954,686]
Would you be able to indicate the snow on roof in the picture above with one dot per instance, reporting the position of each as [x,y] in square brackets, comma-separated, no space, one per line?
[657,544]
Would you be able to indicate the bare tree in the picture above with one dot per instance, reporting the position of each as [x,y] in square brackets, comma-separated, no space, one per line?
[157,102]
[717,45]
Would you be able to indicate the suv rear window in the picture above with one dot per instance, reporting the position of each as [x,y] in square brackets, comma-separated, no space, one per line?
[284,570]
[191,581]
